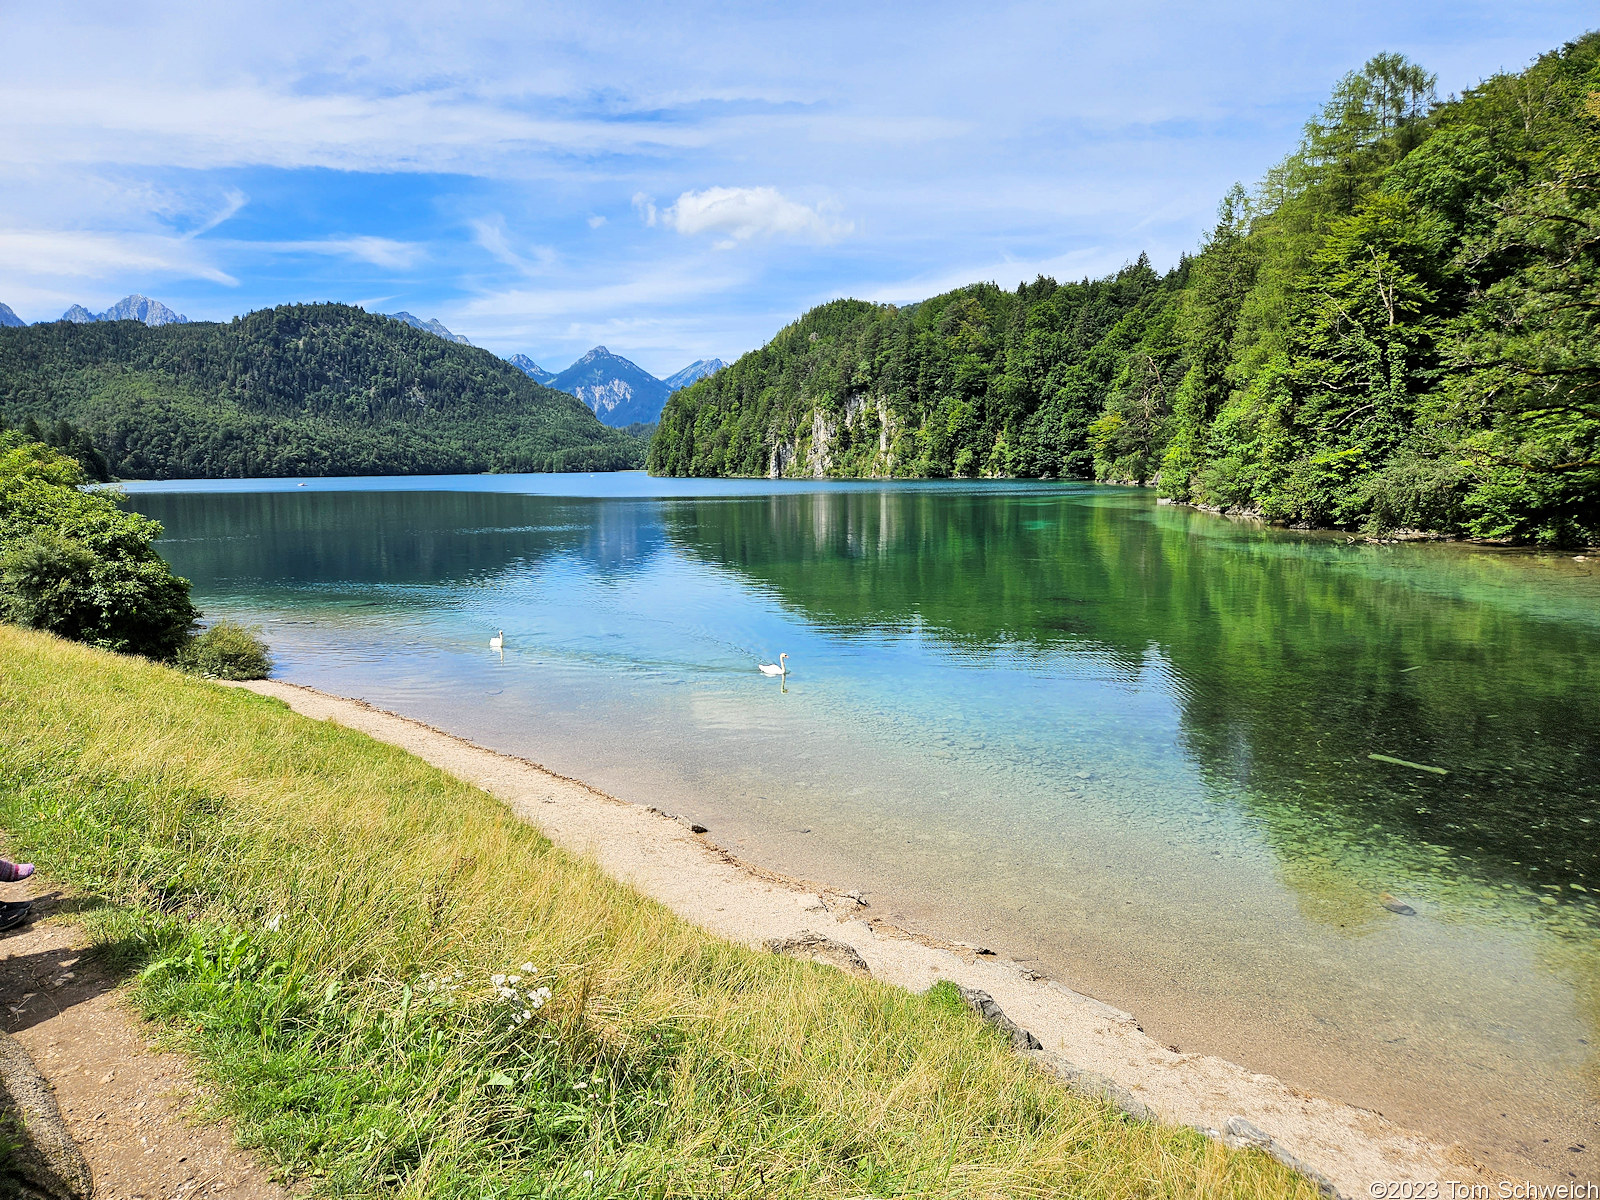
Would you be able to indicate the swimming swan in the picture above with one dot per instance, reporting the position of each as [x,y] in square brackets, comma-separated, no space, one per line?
[498,640]
[781,669]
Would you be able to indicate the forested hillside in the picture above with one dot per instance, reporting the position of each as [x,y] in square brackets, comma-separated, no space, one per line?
[315,389]
[1396,328]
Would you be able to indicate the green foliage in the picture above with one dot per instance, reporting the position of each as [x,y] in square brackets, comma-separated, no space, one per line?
[226,650]
[75,564]
[1399,328]
[75,443]
[305,389]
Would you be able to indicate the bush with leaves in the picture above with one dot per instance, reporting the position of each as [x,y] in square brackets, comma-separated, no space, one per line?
[76,564]
[227,650]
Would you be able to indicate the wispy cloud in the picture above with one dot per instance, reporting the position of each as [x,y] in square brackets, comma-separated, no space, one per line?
[232,201]
[490,233]
[93,255]
[742,213]
[376,251]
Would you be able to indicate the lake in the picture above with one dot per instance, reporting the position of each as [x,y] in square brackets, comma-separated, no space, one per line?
[1128,744]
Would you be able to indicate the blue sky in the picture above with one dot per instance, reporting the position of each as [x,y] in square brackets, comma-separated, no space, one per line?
[674,181]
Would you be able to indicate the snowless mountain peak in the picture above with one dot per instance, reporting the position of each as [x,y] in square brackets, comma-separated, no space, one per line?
[530,368]
[9,319]
[618,391]
[129,308]
[698,369]
[434,326]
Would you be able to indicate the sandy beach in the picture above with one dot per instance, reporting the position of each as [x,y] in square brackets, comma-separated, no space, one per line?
[1090,1044]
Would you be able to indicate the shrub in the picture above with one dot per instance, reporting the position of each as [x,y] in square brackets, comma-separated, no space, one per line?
[75,564]
[226,651]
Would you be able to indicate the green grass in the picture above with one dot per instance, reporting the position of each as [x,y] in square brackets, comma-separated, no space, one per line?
[315,917]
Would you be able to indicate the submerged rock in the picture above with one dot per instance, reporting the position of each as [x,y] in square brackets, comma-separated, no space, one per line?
[1396,906]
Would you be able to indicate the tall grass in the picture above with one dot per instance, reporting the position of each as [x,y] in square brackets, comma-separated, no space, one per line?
[317,918]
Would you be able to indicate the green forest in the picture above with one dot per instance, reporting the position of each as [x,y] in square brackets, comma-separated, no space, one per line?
[1395,329]
[298,390]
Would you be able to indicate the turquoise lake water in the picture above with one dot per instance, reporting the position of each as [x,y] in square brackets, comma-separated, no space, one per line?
[1128,744]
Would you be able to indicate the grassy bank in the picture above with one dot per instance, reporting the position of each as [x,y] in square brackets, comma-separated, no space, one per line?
[318,918]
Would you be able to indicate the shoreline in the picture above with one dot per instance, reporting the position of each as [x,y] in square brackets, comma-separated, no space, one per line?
[1093,1046]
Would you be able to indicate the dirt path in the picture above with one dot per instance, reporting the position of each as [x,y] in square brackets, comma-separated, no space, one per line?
[124,1102]
[666,860]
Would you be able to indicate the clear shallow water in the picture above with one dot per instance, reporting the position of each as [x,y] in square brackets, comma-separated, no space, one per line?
[1127,743]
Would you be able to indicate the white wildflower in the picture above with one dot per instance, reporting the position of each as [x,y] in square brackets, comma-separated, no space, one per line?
[499,981]
[274,922]
[528,967]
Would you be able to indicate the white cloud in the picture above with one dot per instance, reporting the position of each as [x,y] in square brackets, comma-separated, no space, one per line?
[490,233]
[516,311]
[596,221]
[95,255]
[377,251]
[744,213]
[232,201]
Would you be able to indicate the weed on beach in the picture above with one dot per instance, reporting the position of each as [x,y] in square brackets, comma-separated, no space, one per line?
[395,988]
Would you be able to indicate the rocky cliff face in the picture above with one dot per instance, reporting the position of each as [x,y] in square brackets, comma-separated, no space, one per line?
[9,319]
[811,452]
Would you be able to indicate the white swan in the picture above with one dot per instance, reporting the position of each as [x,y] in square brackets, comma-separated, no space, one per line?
[498,641]
[782,667]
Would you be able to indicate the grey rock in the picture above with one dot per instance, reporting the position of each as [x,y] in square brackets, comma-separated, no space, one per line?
[79,315]
[1396,906]
[48,1164]
[9,319]
[1246,1133]
[1088,1083]
[984,1005]
[1239,1132]
[818,948]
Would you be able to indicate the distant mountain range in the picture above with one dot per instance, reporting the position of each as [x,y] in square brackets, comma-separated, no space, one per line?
[699,369]
[129,308]
[618,391]
[330,390]
[434,326]
[530,368]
